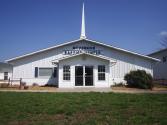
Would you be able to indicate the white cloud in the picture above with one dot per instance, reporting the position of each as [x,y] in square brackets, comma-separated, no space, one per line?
[163,33]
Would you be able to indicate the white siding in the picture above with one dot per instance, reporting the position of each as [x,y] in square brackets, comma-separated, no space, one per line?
[24,68]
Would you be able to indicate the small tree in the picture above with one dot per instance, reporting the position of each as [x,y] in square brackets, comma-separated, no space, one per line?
[139,79]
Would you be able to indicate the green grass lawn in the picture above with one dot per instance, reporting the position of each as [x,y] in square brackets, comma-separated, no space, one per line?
[82,109]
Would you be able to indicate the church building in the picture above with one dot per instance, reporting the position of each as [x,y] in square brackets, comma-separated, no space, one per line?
[79,63]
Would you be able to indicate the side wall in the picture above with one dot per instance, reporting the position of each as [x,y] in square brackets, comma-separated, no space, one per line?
[125,65]
[160,69]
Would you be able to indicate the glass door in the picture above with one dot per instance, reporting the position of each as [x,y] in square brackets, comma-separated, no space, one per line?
[79,76]
[88,75]
[83,75]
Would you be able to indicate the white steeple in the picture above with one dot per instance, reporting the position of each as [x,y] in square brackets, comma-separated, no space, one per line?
[83,36]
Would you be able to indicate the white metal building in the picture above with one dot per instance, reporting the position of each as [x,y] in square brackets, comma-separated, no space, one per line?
[79,63]
[160,69]
[5,71]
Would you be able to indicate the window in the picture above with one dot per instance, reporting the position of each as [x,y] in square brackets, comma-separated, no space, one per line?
[45,72]
[101,72]
[66,72]
[5,75]
[164,59]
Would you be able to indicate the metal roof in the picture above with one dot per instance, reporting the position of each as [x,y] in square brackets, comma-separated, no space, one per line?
[162,50]
[74,41]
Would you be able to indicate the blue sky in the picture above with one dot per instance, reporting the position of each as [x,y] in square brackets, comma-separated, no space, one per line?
[30,25]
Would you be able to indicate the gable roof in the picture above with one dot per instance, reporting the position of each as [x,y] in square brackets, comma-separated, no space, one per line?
[92,41]
[162,50]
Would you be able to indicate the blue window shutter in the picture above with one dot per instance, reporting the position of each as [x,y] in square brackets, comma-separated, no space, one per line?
[36,72]
[55,72]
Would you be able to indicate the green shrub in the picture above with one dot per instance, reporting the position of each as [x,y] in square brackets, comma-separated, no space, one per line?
[139,79]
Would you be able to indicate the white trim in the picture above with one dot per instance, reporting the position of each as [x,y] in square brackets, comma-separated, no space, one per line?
[147,57]
[65,80]
[45,76]
[101,72]
[97,56]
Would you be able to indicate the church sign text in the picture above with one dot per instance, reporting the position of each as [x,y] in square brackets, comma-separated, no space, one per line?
[82,49]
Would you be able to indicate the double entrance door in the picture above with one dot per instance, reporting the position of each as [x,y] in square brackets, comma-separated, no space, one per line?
[83,75]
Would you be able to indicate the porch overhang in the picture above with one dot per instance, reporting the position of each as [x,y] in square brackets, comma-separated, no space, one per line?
[88,54]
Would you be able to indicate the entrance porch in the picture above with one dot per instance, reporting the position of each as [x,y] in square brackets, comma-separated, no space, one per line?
[84,70]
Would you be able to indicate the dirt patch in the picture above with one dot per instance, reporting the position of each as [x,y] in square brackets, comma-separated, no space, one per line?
[80,117]
[5,86]
[127,88]
[17,87]
[75,118]
[38,119]
[136,89]
[41,88]
[158,90]
[25,122]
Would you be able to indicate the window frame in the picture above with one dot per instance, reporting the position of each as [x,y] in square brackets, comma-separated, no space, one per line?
[102,72]
[67,73]
[51,76]
[6,75]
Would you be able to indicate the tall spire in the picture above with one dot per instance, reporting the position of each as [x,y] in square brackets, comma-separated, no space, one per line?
[83,36]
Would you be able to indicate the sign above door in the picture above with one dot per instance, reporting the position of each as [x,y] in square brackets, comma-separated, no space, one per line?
[82,49]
